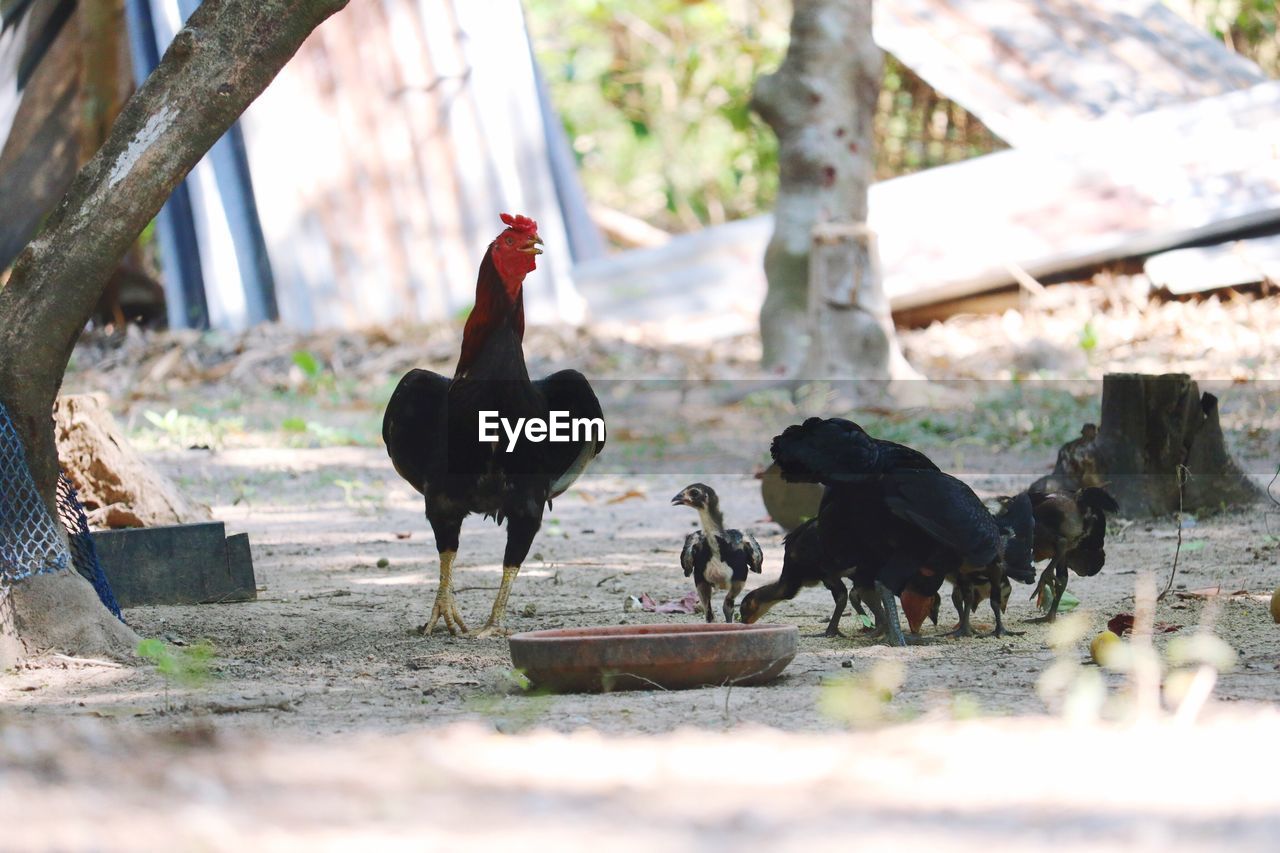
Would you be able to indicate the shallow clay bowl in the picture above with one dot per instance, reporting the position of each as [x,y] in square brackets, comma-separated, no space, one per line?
[645,657]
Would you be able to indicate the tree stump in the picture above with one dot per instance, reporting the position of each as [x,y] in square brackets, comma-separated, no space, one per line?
[1154,429]
[116,485]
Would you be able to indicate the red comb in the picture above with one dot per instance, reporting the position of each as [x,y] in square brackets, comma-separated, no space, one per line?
[520,223]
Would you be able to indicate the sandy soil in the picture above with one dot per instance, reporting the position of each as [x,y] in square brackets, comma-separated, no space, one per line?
[327,720]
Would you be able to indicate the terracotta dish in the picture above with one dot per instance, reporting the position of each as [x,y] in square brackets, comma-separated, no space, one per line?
[647,657]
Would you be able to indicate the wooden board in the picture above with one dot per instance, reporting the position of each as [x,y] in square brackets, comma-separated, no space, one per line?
[179,564]
[1111,189]
[1027,68]
[1204,268]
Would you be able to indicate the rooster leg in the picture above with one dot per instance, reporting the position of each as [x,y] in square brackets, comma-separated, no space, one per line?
[1057,569]
[446,529]
[1059,587]
[1044,580]
[885,608]
[997,604]
[445,605]
[735,587]
[964,629]
[520,532]
[704,594]
[841,597]
[494,627]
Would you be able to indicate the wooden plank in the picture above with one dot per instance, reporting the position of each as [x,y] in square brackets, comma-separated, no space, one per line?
[712,280]
[179,564]
[240,568]
[1112,189]
[1204,268]
[1026,68]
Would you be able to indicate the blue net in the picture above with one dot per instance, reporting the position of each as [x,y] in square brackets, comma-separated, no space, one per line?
[84,555]
[30,542]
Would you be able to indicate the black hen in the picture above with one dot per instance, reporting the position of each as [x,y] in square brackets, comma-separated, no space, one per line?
[1070,533]
[432,427]
[890,513]
[803,564]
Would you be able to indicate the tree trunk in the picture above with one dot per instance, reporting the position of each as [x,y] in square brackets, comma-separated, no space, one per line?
[1152,428]
[830,316]
[218,63]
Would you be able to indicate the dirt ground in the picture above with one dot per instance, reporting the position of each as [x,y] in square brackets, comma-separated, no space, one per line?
[327,720]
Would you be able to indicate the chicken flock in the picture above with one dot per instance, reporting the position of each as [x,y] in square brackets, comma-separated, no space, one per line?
[890,522]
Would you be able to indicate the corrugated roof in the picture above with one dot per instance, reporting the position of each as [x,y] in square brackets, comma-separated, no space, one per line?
[1026,68]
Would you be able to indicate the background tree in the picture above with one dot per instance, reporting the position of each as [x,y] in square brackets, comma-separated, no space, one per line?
[218,63]
[825,312]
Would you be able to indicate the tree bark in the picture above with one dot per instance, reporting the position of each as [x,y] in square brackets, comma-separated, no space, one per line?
[821,103]
[218,63]
[1153,428]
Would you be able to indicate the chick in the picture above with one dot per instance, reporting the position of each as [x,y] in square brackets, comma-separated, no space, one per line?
[714,555]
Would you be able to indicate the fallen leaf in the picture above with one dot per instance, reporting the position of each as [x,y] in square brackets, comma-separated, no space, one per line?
[630,494]
[404,534]
[1122,624]
[688,604]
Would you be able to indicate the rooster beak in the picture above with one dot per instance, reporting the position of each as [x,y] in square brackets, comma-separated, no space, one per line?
[679,500]
[532,246]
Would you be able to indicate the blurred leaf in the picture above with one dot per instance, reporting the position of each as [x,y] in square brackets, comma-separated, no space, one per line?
[307,363]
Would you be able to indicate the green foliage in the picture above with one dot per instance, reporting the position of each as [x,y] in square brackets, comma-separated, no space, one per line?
[1248,27]
[1023,415]
[308,364]
[865,698]
[361,496]
[186,667]
[185,431]
[1088,337]
[655,99]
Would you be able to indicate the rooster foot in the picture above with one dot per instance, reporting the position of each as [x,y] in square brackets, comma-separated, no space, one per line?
[1041,619]
[1002,631]
[490,630]
[444,608]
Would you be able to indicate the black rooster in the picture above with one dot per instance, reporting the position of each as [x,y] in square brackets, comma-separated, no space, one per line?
[889,511]
[432,427]
[714,555]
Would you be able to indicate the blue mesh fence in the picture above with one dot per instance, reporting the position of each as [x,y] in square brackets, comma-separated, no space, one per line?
[83,553]
[30,542]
